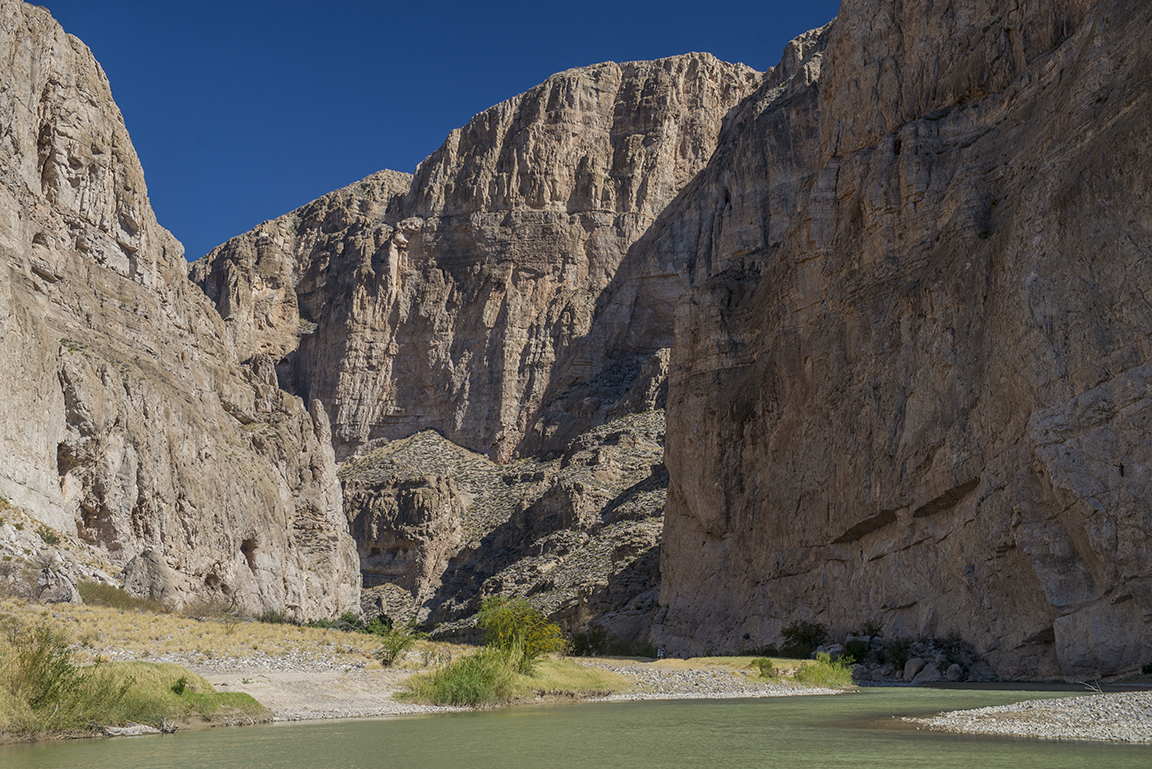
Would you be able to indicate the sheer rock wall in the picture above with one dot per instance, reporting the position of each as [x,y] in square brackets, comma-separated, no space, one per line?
[910,381]
[125,417]
[465,302]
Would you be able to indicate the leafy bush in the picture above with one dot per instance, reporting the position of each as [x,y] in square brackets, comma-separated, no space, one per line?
[394,643]
[42,691]
[1147,669]
[856,649]
[593,642]
[481,678]
[898,650]
[801,638]
[50,537]
[518,630]
[826,671]
[350,622]
[765,666]
[598,642]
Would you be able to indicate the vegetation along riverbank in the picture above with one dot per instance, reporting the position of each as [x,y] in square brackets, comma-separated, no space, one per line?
[132,662]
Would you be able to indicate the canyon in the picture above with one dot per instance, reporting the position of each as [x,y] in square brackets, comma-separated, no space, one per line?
[676,349]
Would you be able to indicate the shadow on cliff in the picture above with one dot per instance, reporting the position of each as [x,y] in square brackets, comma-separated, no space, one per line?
[546,529]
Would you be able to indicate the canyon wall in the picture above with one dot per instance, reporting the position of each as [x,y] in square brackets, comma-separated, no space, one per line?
[902,277]
[127,423]
[463,300]
[909,384]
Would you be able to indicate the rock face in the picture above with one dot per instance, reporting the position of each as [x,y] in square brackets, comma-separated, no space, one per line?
[468,299]
[125,417]
[910,382]
[440,528]
[902,276]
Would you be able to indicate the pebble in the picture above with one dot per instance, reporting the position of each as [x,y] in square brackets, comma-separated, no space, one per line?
[1123,717]
[664,684]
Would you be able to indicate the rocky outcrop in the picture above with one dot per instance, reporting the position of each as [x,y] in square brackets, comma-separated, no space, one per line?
[440,528]
[901,276]
[470,298]
[910,381]
[126,418]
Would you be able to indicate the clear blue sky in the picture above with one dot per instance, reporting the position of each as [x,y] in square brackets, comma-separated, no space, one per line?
[242,111]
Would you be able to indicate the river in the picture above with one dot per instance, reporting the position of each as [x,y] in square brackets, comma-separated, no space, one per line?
[856,730]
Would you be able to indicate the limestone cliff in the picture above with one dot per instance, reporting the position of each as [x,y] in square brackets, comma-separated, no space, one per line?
[463,300]
[909,384]
[902,275]
[440,528]
[125,417]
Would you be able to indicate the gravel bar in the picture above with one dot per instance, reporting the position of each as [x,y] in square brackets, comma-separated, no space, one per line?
[1123,717]
[662,684]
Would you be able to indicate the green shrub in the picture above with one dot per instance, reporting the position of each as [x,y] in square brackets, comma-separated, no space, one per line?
[632,648]
[50,537]
[826,671]
[801,638]
[593,642]
[350,622]
[898,650]
[856,649]
[394,642]
[381,625]
[1147,669]
[42,691]
[516,629]
[598,642]
[765,666]
[481,678]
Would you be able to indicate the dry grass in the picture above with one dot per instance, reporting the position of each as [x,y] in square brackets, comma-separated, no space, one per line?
[101,631]
[553,676]
[108,634]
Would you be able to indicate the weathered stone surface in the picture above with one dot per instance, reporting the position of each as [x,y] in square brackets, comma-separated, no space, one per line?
[54,586]
[910,381]
[927,674]
[125,417]
[439,528]
[470,299]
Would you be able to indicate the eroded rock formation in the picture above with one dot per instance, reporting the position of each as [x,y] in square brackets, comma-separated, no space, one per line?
[463,300]
[440,528]
[902,276]
[125,417]
[910,381]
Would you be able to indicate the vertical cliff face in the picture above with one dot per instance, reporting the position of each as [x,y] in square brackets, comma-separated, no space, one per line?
[909,383]
[901,274]
[465,302]
[126,418]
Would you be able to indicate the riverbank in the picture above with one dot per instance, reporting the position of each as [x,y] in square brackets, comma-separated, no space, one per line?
[311,689]
[1118,717]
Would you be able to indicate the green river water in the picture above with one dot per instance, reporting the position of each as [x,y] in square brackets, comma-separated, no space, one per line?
[855,731]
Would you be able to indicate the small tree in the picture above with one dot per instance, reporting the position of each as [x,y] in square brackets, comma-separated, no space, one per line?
[519,631]
[801,638]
